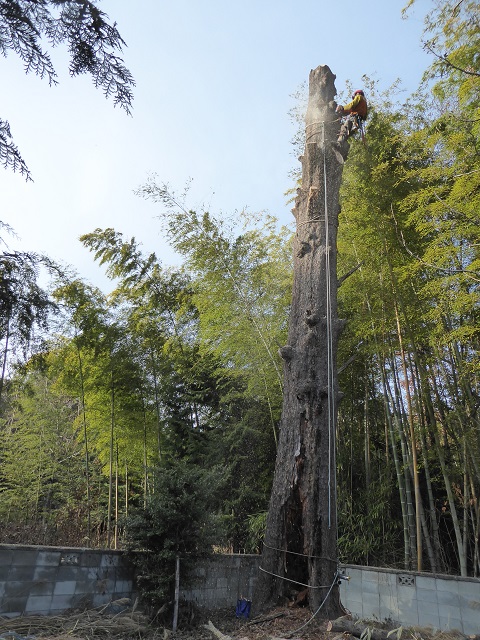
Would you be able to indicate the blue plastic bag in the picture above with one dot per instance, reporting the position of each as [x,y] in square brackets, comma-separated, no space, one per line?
[243,608]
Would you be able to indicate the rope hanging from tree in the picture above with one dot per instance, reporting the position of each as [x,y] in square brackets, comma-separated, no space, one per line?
[330,363]
[296,553]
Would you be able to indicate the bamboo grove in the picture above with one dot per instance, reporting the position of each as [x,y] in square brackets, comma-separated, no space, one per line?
[100,393]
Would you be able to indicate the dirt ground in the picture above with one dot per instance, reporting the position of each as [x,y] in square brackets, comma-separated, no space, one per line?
[282,623]
[278,623]
[98,625]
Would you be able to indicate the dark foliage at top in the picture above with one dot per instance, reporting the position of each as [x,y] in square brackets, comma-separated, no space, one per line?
[93,44]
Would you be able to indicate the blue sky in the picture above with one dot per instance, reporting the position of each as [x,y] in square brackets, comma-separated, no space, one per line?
[214,86]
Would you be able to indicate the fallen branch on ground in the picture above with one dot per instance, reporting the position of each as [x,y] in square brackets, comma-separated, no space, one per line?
[360,629]
[357,629]
[267,618]
[211,627]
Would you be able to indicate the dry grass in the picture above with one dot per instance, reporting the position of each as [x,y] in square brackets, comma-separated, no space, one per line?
[78,626]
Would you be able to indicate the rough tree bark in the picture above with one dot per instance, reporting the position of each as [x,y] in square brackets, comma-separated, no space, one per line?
[301,535]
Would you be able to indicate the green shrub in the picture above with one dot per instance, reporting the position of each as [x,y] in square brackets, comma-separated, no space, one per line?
[179,519]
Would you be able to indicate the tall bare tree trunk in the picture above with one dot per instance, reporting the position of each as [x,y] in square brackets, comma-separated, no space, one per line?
[4,362]
[398,465]
[413,444]
[115,526]
[110,466]
[301,537]
[85,438]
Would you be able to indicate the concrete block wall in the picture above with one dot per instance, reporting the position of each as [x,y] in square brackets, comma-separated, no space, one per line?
[51,580]
[414,599]
[407,598]
[220,581]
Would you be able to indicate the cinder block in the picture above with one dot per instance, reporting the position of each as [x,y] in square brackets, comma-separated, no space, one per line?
[369,576]
[62,602]
[20,573]
[470,604]
[369,586]
[355,606]
[14,605]
[24,557]
[221,582]
[469,589]
[448,623]
[196,594]
[370,605]
[38,605]
[429,618]
[90,559]
[470,625]
[65,573]
[353,586]
[93,573]
[48,558]
[6,557]
[354,574]
[110,560]
[17,589]
[425,582]
[387,580]
[64,588]
[104,586]
[45,573]
[443,584]
[42,588]
[427,609]
[4,571]
[210,582]
[388,607]
[82,601]
[448,598]
[351,592]
[82,574]
[426,597]
[406,594]
[124,586]
[408,611]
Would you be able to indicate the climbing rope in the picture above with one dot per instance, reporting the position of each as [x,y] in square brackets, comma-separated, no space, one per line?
[330,401]
[335,580]
[302,584]
[320,122]
[330,363]
[296,553]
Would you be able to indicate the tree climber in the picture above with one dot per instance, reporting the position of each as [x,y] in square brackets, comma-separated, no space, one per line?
[353,114]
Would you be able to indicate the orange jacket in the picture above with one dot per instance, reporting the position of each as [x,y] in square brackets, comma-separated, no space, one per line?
[357,105]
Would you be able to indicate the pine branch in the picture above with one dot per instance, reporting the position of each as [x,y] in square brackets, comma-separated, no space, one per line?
[9,154]
[93,45]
